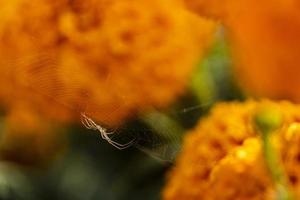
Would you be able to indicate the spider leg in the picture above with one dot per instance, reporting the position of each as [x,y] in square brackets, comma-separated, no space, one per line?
[90,124]
[116,144]
[85,121]
[120,146]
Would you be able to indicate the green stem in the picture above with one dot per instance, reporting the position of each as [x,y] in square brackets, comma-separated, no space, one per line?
[203,85]
[267,121]
[278,175]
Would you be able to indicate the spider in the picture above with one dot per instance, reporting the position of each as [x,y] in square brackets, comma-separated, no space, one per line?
[90,124]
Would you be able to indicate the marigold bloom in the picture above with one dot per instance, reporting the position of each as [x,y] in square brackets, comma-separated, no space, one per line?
[265,42]
[222,157]
[243,164]
[108,58]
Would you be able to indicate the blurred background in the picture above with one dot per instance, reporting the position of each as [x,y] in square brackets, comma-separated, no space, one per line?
[96,96]
[79,164]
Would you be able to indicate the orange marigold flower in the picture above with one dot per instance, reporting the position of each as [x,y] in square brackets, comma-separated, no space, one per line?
[222,158]
[241,175]
[28,51]
[265,42]
[109,58]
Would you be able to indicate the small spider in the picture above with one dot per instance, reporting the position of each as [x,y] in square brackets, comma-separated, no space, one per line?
[90,124]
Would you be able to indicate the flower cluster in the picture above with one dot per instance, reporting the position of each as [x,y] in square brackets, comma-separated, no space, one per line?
[222,158]
[108,58]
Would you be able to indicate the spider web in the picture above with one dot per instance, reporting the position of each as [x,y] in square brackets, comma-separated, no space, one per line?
[156,134]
